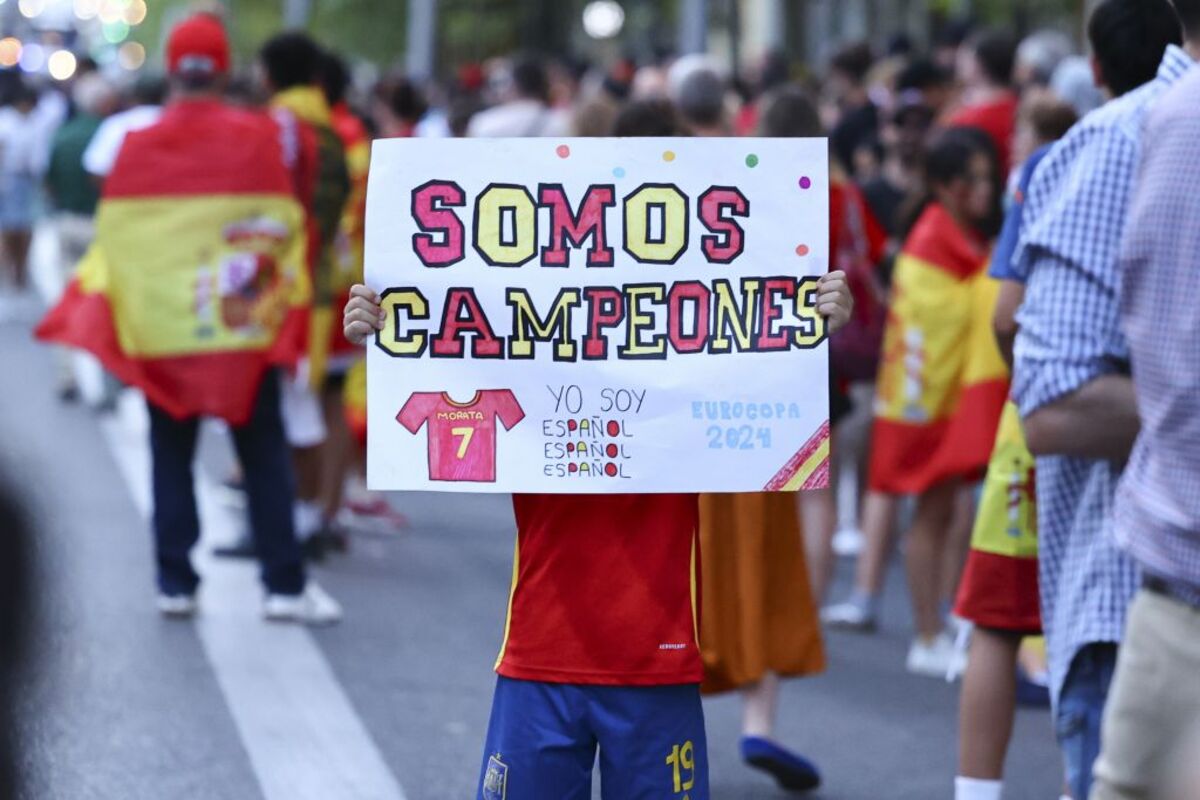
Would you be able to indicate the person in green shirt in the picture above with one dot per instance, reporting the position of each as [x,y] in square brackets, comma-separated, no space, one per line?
[73,192]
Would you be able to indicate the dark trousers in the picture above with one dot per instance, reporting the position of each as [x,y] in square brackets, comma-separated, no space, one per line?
[263,452]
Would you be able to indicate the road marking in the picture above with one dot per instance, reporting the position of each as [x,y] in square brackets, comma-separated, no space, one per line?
[303,737]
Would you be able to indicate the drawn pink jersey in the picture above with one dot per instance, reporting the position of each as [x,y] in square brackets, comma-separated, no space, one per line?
[462,436]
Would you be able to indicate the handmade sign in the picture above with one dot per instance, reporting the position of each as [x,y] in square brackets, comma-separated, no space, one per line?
[598,315]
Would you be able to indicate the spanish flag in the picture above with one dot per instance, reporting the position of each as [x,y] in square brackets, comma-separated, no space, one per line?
[999,587]
[321,172]
[348,260]
[354,401]
[196,282]
[942,382]
[348,246]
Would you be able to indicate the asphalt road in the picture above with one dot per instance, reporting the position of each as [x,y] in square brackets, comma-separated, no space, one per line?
[118,704]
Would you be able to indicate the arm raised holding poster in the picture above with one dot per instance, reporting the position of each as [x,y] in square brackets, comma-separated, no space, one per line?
[653,307]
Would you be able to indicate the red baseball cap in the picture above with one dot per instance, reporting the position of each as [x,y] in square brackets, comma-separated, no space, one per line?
[198,44]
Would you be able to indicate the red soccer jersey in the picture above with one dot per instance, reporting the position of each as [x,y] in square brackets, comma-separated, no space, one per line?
[462,436]
[605,591]
[998,119]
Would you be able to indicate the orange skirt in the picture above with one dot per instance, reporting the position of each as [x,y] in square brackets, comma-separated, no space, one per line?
[758,610]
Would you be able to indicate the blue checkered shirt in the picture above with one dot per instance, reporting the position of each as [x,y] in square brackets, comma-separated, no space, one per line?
[1158,502]
[1069,336]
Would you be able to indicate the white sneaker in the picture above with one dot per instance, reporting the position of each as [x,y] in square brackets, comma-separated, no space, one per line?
[177,606]
[849,617]
[313,606]
[939,658]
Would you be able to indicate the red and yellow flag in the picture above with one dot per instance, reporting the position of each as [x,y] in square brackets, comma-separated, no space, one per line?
[323,172]
[196,282]
[942,382]
[999,587]
[348,246]
[354,401]
[348,259]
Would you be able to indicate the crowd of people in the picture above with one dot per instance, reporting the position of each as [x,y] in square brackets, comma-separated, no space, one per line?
[1013,378]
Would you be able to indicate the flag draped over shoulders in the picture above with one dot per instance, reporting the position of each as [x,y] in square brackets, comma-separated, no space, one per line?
[322,180]
[348,259]
[195,284]
[348,247]
[942,382]
[999,586]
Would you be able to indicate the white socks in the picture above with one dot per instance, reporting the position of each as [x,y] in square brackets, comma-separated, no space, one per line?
[975,789]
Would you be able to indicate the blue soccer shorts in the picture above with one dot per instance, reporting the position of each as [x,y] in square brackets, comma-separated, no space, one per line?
[543,737]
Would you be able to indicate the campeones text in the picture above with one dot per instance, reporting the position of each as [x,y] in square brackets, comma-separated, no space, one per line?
[647,319]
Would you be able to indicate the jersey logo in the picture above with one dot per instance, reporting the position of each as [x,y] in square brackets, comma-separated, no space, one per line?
[495,780]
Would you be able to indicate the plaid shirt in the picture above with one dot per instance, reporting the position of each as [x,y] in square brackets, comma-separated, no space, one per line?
[1158,502]
[1070,335]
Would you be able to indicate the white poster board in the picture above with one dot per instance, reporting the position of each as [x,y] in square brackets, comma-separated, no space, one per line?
[598,315]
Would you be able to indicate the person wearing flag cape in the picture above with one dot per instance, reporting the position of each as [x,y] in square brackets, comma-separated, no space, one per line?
[942,382]
[194,292]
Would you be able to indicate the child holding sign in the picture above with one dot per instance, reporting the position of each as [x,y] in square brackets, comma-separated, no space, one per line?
[601,641]
[600,644]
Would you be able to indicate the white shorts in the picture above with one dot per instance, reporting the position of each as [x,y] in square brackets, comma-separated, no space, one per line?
[303,421]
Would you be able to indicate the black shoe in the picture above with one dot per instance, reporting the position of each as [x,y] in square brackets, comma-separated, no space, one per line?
[335,538]
[240,548]
[314,548]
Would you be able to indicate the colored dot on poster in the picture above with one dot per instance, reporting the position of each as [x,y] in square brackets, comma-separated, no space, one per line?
[572,467]
[611,450]
[752,160]
[610,469]
[572,424]
[802,250]
[805,182]
[570,447]
[614,427]
[563,151]
[618,172]
[668,155]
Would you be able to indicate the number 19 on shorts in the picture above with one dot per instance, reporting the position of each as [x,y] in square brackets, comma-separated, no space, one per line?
[682,762]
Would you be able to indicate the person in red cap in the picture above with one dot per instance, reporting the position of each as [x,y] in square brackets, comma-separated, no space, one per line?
[194,292]
[198,47]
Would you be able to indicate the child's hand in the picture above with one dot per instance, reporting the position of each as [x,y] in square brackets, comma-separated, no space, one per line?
[834,301]
[363,315]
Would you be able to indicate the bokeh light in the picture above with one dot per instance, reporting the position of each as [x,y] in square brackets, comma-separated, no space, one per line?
[136,12]
[31,8]
[111,11]
[131,55]
[10,52]
[603,19]
[33,57]
[61,64]
[87,9]
[116,32]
